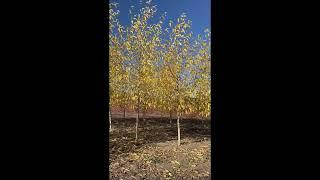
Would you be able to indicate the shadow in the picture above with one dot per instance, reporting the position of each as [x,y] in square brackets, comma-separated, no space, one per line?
[153,130]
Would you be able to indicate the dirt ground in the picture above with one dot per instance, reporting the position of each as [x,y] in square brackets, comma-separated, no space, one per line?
[156,154]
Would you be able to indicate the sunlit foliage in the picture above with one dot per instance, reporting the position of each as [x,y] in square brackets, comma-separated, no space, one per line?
[158,65]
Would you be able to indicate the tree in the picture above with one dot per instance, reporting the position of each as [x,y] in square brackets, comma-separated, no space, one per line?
[201,75]
[114,55]
[176,60]
[141,41]
[158,67]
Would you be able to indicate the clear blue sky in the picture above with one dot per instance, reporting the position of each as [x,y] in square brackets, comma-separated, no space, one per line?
[198,11]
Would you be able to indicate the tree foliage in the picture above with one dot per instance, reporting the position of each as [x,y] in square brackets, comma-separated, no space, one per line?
[158,65]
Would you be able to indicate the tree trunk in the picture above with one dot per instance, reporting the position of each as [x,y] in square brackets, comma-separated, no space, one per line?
[110,129]
[170,118]
[137,123]
[124,113]
[137,119]
[178,125]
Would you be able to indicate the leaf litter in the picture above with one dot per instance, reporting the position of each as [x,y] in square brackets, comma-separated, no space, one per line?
[156,154]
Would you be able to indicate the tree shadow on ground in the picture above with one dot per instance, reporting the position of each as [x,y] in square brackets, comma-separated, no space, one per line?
[152,130]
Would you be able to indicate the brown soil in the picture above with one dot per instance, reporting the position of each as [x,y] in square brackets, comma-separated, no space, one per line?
[156,154]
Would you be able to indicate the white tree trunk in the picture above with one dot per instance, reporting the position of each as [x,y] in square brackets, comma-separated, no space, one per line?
[137,119]
[110,129]
[137,123]
[178,125]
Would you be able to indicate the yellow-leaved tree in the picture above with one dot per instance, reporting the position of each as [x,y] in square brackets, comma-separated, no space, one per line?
[159,67]
[140,45]
[176,59]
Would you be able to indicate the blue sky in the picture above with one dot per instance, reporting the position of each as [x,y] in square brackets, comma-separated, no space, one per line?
[198,11]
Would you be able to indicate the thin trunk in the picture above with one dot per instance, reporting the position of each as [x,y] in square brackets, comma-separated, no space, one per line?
[178,125]
[124,113]
[110,129]
[137,123]
[144,117]
[138,106]
[170,118]
[137,119]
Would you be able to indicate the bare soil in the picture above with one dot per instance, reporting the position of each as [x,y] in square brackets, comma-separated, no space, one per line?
[156,154]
